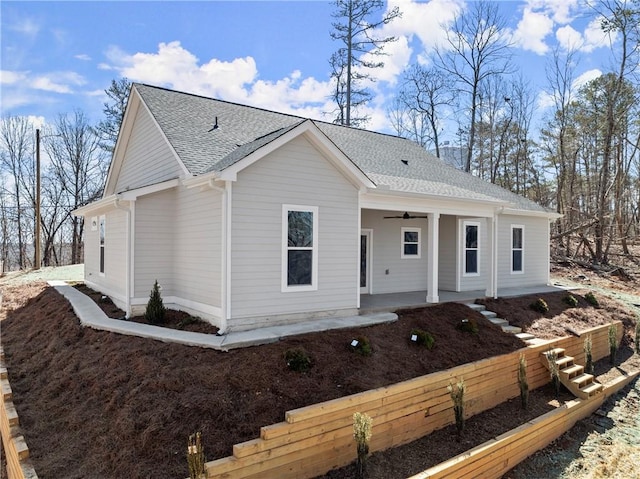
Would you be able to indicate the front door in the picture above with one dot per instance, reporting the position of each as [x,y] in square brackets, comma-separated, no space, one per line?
[365,261]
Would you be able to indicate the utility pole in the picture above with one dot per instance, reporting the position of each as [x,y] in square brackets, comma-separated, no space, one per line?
[37,260]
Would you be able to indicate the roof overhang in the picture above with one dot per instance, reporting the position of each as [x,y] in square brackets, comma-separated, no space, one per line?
[552,215]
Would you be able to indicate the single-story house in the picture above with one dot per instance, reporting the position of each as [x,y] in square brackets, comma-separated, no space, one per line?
[248,217]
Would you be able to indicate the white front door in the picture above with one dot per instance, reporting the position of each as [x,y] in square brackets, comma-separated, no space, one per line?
[365,261]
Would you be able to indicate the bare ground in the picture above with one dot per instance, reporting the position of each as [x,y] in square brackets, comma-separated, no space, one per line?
[123,407]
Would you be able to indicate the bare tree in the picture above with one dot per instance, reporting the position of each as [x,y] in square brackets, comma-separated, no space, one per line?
[78,164]
[360,52]
[16,160]
[424,95]
[476,49]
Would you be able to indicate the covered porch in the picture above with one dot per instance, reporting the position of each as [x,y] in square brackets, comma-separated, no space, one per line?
[370,303]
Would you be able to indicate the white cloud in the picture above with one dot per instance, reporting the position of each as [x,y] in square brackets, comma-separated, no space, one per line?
[586,77]
[26,26]
[8,77]
[82,56]
[532,30]
[560,11]
[569,38]
[57,82]
[593,37]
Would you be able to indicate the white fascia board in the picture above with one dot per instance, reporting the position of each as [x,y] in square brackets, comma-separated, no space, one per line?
[133,103]
[132,195]
[420,203]
[206,179]
[318,139]
[106,202]
[540,214]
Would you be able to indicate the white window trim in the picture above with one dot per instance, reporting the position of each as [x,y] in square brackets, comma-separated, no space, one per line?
[285,288]
[464,249]
[402,242]
[102,247]
[514,249]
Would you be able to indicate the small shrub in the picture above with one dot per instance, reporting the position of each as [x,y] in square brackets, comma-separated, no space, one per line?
[570,300]
[523,382]
[457,396]
[297,359]
[155,310]
[195,456]
[613,343]
[468,326]
[588,355]
[362,431]
[540,305]
[637,331]
[362,346]
[591,299]
[422,338]
[554,370]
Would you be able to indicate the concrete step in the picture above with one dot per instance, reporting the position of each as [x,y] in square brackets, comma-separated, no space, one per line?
[511,329]
[489,314]
[499,321]
[475,307]
[525,336]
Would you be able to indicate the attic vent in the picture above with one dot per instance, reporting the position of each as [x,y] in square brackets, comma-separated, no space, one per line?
[406,162]
[215,126]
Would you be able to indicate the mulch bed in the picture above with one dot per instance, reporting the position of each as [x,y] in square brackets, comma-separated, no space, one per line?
[118,406]
[173,319]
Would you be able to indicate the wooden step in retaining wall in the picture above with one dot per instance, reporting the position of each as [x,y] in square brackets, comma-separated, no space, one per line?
[496,457]
[314,439]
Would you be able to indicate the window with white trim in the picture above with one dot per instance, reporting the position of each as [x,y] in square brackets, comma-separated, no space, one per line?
[517,249]
[411,238]
[471,248]
[300,248]
[101,235]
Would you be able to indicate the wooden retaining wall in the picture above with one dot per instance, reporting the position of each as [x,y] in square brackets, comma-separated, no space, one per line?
[314,439]
[497,456]
[15,449]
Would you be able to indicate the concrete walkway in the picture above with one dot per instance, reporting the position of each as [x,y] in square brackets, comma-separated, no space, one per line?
[92,316]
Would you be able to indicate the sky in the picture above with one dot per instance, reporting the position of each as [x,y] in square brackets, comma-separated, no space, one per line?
[60,56]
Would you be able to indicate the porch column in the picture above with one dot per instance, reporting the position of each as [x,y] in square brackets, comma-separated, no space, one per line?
[433,234]
[492,234]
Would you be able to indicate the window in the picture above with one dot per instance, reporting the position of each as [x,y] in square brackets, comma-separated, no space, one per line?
[101,234]
[471,248]
[517,248]
[410,243]
[300,239]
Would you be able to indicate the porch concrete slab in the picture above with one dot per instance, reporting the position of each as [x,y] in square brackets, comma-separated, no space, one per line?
[90,314]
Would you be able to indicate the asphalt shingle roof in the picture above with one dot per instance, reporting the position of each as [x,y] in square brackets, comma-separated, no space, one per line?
[187,121]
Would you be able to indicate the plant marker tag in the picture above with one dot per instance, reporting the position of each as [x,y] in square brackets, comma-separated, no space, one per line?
[354,343]
[414,337]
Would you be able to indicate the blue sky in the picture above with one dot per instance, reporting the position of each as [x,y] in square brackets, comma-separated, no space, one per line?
[59,56]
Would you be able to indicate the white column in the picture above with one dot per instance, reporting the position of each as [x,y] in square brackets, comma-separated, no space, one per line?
[433,234]
[491,236]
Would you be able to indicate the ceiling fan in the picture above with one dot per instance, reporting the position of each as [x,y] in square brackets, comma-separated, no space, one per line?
[405,216]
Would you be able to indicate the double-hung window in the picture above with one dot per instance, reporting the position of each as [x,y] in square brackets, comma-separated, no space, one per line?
[517,249]
[300,248]
[471,248]
[101,234]
[410,243]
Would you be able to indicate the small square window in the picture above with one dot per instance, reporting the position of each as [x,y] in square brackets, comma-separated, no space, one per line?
[411,243]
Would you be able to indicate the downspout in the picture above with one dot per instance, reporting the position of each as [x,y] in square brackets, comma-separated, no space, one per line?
[127,283]
[225,277]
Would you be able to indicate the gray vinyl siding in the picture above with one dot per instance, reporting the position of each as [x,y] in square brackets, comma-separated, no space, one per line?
[295,174]
[471,283]
[447,261]
[405,274]
[197,246]
[535,255]
[115,250]
[154,242]
[148,158]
